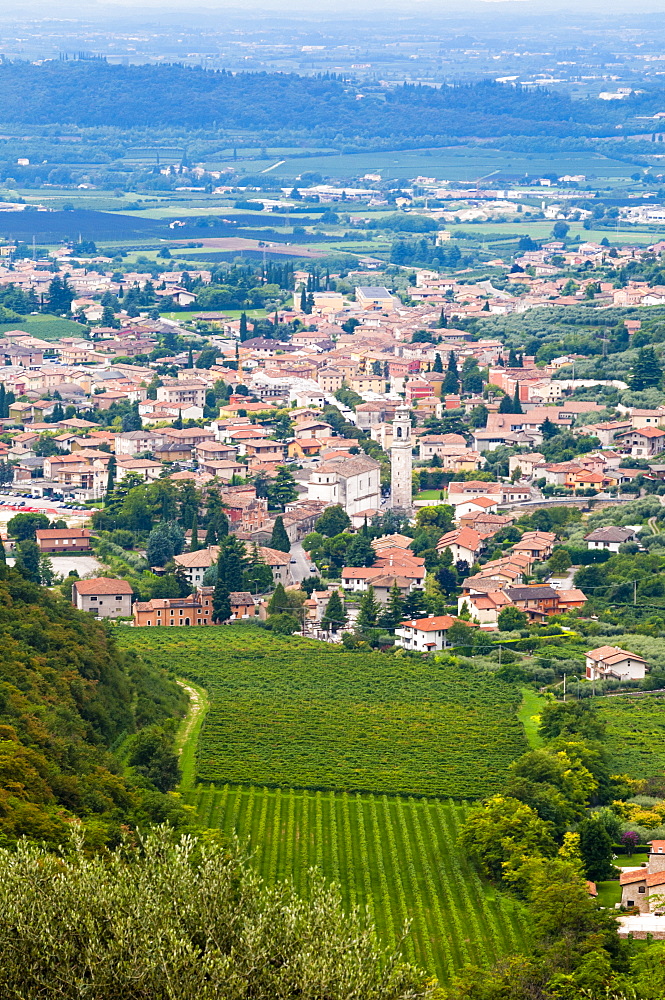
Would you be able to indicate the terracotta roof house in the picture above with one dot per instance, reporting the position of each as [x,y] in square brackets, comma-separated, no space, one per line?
[104,596]
[63,540]
[614,662]
[425,635]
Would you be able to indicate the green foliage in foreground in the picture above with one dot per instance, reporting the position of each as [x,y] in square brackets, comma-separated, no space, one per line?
[180,920]
[294,712]
[398,857]
[66,698]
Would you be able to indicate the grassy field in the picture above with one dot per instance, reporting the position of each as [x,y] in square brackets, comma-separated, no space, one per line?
[609,893]
[399,857]
[635,733]
[529,716]
[294,712]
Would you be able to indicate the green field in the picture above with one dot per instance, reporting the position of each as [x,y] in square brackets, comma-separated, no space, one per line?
[635,733]
[294,712]
[397,857]
[458,163]
[44,327]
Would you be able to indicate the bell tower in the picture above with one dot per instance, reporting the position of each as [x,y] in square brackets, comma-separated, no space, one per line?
[401,460]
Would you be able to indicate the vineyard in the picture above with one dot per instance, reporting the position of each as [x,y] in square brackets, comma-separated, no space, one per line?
[297,713]
[635,733]
[396,856]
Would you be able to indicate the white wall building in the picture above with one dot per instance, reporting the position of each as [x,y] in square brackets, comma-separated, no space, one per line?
[355,483]
[615,663]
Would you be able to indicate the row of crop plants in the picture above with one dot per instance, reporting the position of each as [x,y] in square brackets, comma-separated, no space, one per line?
[398,857]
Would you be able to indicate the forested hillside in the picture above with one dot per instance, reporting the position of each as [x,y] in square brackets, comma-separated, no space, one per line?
[67,699]
[90,93]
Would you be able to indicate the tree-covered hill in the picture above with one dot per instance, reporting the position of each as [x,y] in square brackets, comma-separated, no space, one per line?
[91,93]
[67,697]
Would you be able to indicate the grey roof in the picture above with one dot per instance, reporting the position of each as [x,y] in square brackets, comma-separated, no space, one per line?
[610,533]
[530,593]
[374,291]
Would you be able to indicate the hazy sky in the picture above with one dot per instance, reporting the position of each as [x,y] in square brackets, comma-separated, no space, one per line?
[45,8]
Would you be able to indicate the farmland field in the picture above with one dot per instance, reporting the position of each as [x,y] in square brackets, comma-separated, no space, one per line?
[635,733]
[44,327]
[294,712]
[459,163]
[398,857]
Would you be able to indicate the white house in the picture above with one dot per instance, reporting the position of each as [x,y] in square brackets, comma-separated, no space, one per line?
[465,544]
[609,538]
[425,634]
[474,505]
[104,597]
[615,663]
[355,483]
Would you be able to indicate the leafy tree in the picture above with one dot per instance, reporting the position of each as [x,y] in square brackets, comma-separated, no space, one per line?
[335,616]
[360,552]
[283,624]
[27,560]
[647,371]
[279,539]
[559,561]
[368,614]
[503,829]
[459,634]
[560,229]
[596,850]
[25,526]
[333,521]
[282,489]
[131,421]
[571,718]
[548,429]
[122,924]
[511,618]
[152,755]
[231,563]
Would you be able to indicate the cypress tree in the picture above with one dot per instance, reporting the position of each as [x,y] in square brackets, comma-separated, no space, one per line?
[438,363]
[517,406]
[4,409]
[451,381]
[369,610]
[110,478]
[190,358]
[195,535]
[506,405]
[303,299]
[279,539]
[243,326]
[442,322]
[221,603]
[334,616]
[394,610]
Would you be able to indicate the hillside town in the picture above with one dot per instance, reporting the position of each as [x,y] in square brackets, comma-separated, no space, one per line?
[383,412]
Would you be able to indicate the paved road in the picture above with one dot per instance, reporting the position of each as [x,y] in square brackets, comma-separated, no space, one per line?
[63,565]
[300,569]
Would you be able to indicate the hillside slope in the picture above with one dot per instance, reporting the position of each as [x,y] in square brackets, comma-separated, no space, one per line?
[67,697]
